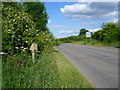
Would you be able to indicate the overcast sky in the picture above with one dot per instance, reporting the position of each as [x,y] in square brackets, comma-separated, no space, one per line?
[67,18]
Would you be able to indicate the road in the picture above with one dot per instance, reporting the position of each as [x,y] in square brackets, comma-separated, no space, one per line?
[98,64]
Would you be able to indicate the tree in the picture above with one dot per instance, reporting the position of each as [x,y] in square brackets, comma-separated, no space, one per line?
[110,32]
[82,31]
[38,12]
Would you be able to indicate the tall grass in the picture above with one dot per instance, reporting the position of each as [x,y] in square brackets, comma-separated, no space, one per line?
[51,70]
[20,72]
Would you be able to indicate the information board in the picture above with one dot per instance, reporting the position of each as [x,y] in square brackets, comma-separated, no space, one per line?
[88,34]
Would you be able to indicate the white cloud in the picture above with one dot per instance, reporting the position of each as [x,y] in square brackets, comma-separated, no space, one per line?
[94,30]
[77,32]
[112,14]
[49,21]
[69,32]
[113,20]
[91,10]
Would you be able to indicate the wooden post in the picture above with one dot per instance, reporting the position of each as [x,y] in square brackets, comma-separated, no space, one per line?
[33,48]
[33,56]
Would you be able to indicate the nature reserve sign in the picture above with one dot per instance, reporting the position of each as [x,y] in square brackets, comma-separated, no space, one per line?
[33,48]
[88,34]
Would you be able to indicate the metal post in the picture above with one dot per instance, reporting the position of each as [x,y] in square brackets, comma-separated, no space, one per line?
[86,40]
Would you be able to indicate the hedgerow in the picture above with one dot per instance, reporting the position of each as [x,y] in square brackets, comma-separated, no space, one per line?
[19,31]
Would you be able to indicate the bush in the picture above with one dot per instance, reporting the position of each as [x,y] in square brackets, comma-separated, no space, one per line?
[18,28]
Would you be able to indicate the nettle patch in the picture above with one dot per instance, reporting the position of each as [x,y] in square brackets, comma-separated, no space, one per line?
[19,31]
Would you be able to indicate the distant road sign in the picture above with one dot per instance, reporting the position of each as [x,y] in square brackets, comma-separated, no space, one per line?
[88,34]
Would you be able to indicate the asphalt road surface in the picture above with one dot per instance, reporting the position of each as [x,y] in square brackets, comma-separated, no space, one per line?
[98,64]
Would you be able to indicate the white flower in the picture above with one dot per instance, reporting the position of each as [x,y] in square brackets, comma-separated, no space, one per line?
[2,53]
[25,48]
[37,34]
[15,14]
[22,47]
[16,47]
[13,35]
[26,41]
[27,30]
[8,29]
[13,20]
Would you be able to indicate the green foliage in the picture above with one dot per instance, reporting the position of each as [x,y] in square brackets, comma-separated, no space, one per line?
[19,72]
[83,31]
[57,42]
[38,12]
[109,35]
[18,28]
[110,32]
[72,38]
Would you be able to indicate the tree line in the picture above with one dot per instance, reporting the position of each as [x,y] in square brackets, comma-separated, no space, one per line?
[110,32]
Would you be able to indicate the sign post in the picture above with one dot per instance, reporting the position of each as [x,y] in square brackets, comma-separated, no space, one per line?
[88,35]
[33,47]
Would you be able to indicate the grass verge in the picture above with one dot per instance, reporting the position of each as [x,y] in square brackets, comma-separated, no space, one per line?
[69,77]
[96,43]
[20,72]
[50,71]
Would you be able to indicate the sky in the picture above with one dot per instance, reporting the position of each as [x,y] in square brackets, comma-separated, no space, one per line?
[67,18]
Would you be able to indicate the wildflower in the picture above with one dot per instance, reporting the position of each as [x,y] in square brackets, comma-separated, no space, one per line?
[26,41]
[17,47]
[2,53]
[8,29]
[22,47]
[13,35]
[15,14]
[14,20]
[25,48]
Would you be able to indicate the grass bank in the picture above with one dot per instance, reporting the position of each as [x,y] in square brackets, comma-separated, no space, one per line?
[50,71]
[96,43]
[90,41]
[20,72]
[69,77]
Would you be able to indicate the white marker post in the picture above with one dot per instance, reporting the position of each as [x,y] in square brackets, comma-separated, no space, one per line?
[33,47]
[88,35]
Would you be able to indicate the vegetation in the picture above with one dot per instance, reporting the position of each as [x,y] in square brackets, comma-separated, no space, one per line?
[20,29]
[20,72]
[83,31]
[110,32]
[107,36]
[19,32]
[47,72]
[38,12]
